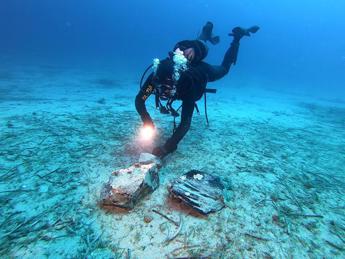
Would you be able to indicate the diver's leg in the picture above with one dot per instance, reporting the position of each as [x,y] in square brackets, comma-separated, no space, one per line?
[207,35]
[230,57]
[231,54]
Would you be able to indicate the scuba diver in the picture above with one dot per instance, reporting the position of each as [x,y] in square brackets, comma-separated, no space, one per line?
[183,75]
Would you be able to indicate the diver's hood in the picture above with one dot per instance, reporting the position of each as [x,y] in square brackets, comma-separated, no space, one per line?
[199,47]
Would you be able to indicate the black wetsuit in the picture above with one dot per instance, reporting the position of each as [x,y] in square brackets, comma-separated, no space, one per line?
[191,86]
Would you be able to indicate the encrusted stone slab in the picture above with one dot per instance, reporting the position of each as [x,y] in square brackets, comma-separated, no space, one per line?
[127,186]
[147,158]
[201,191]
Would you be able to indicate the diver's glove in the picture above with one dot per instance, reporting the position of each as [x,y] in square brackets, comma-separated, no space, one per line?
[239,32]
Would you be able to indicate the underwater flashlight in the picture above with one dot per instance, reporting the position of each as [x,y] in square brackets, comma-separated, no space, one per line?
[147,132]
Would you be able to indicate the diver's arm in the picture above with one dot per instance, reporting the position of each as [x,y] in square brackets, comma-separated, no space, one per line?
[182,129]
[141,98]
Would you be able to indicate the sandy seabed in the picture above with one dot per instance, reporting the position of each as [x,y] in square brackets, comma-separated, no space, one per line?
[63,131]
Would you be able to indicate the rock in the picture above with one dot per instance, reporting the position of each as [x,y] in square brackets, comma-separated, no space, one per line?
[127,186]
[201,191]
[147,158]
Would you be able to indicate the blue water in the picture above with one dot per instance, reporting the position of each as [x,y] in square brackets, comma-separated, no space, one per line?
[69,73]
[300,43]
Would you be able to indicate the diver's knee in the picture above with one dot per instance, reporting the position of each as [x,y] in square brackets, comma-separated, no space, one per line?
[226,70]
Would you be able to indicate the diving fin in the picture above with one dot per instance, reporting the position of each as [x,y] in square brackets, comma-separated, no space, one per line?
[206,34]
[214,40]
[253,29]
[240,32]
